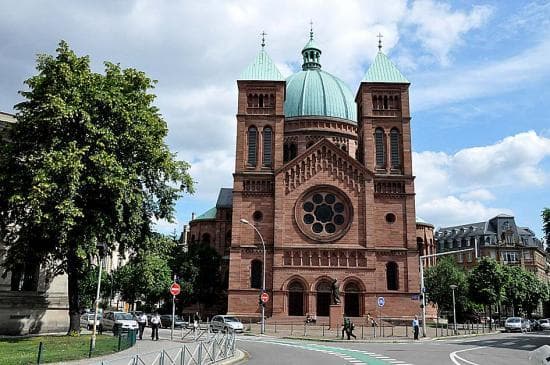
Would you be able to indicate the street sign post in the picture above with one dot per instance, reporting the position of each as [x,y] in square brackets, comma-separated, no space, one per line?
[264,297]
[380,301]
[174,290]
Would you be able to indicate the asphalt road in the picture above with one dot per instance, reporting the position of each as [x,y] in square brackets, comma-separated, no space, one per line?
[497,349]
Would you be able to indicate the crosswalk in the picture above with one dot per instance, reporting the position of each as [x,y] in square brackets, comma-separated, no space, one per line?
[352,356]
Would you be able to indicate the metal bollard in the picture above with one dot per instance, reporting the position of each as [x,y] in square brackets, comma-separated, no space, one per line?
[291,329]
[406,331]
[275,327]
[361,331]
[305,329]
[323,327]
[40,350]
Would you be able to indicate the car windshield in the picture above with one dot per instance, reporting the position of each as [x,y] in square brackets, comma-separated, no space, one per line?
[543,321]
[231,319]
[123,316]
[513,320]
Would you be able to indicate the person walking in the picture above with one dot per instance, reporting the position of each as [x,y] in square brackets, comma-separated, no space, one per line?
[345,327]
[196,321]
[155,323]
[416,327]
[349,330]
[142,323]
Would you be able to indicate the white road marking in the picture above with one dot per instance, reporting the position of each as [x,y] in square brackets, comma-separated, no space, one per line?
[509,343]
[454,357]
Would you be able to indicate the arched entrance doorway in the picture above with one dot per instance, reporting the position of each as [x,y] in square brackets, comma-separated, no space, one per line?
[296,293]
[352,300]
[323,298]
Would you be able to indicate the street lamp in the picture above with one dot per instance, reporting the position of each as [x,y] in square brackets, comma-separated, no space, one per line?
[101,251]
[453,287]
[262,326]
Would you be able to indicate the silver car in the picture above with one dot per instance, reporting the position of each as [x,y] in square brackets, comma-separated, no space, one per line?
[544,324]
[513,324]
[226,323]
[118,322]
[87,320]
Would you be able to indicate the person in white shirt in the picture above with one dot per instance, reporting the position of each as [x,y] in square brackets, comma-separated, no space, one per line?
[142,323]
[416,327]
[155,323]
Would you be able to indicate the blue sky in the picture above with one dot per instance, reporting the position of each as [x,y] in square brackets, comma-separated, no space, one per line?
[479,73]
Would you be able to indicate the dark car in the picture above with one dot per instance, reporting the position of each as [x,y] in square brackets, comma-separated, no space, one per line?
[166,321]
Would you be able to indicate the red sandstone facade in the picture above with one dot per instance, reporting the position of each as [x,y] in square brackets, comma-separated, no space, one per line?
[328,211]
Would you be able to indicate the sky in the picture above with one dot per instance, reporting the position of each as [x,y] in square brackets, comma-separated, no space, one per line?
[479,73]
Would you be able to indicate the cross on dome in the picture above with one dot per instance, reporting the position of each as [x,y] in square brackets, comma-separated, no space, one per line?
[263,34]
[380,41]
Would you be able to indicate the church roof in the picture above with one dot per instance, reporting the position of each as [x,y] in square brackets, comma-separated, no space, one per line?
[383,70]
[209,214]
[262,68]
[225,198]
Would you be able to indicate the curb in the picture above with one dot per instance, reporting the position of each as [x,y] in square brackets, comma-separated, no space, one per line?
[316,339]
[465,336]
[240,356]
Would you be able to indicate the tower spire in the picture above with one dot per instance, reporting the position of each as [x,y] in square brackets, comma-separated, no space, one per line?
[263,34]
[311,52]
[380,41]
[311,30]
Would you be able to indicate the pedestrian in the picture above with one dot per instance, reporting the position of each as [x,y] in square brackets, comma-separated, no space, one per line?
[196,320]
[142,323]
[416,327]
[344,327]
[349,330]
[155,323]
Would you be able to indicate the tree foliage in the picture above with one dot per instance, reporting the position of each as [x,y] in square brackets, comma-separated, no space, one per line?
[438,281]
[486,282]
[87,165]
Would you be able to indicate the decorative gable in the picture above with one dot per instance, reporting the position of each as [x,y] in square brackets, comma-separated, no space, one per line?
[324,156]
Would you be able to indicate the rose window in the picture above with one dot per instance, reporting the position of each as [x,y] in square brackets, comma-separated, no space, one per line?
[323,214]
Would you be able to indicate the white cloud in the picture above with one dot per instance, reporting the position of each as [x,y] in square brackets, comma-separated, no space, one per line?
[456,188]
[439,28]
[163,226]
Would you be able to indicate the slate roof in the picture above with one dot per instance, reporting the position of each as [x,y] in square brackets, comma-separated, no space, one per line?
[383,70]
[209,214]
[225,198]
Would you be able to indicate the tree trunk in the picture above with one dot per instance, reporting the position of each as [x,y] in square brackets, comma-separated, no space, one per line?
[73,274]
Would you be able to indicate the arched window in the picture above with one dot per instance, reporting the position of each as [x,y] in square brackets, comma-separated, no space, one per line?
[296,294]
[379,145]
[392,276]
[385,102]
[293,151]
[261,101]
[256,274]
[324,298]
[252,145]
[205,238]
[394,145]
[268,140]
[352,300]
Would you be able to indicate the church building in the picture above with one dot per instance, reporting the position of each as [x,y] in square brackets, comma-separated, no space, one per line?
[325,177]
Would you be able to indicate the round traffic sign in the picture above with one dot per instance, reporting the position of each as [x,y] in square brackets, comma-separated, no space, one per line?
[381,301]
[175,289]
[264,297]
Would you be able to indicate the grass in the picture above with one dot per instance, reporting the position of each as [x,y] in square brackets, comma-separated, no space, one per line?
[23,351]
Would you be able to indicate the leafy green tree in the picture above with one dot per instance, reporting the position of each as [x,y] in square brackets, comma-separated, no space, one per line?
[515,287]
[485,283]
[87,165]
[88,286]
[536,292]
[438,280]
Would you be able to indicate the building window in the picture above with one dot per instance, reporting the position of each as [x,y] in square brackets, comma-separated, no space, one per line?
[390,218]
[394,142]
[392,276]
[256,274]
[257,216]
[509,257]
[252,145]
[267,146]
[379,145]
[25,277]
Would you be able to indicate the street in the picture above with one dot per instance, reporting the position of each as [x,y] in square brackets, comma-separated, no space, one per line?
[504,348]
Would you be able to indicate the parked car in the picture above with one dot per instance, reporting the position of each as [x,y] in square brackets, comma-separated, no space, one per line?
[514,324]
[117,322]
[226,323]
[166,321]
[87,320]
[544,324]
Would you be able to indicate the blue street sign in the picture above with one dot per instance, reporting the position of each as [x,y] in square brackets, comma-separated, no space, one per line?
[415,297]
[381,301]
[424,290]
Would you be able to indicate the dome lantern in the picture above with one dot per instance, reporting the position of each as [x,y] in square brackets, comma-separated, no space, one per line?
[311,54]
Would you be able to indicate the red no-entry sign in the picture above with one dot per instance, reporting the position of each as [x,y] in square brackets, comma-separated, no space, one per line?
[175,289]
[264,297]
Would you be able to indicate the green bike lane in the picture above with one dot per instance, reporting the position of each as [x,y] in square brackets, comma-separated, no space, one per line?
[347,355]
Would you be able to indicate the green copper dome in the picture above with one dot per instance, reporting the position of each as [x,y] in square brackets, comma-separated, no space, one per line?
[314,92]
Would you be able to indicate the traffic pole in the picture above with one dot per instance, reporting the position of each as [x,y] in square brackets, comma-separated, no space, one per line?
[173,313]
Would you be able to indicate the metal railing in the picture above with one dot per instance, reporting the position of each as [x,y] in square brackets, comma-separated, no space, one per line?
[216,348]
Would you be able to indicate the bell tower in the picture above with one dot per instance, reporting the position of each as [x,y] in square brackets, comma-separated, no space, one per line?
[259,153]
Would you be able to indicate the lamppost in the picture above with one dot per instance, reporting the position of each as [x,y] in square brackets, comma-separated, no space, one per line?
[262,326]
[101,251]
[453,287]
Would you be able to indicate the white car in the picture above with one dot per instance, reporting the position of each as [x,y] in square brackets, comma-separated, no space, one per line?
[87,320]
[226,324]
[544,324]
[515,324]
[118,322]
